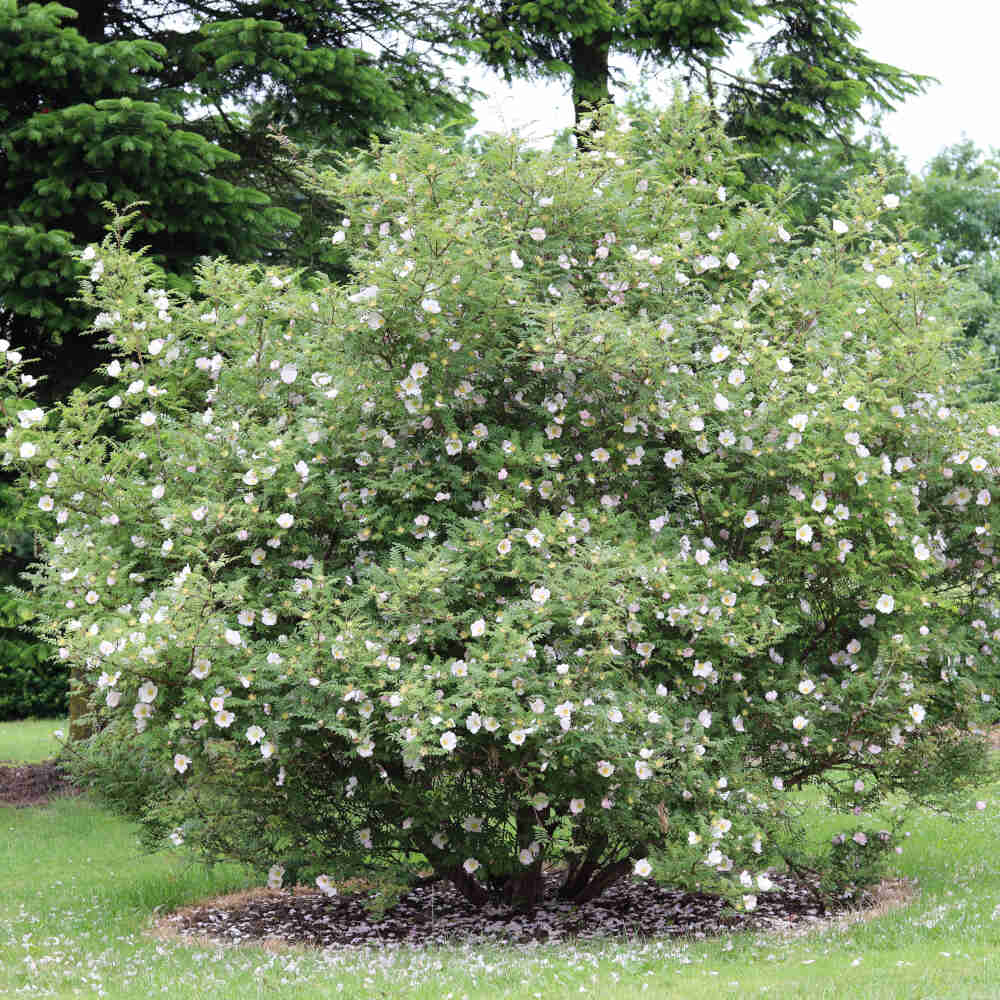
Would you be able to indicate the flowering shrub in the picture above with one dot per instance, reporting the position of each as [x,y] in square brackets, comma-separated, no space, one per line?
[593,520]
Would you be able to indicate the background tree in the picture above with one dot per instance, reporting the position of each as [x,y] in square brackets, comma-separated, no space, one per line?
[173,103]
[954,205]
[808,79]
[958,194]
[812,176]
[951,207]
[76,131]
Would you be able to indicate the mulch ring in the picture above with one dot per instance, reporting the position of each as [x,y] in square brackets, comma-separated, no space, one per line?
[33,784]
[435,914]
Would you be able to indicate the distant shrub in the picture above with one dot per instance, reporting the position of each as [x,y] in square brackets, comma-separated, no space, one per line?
[32,681]
[32,684]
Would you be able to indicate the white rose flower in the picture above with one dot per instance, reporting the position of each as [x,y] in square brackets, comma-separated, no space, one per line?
[886,603]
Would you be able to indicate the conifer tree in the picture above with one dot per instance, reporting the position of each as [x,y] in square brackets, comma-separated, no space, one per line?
[809,78]
[173,104]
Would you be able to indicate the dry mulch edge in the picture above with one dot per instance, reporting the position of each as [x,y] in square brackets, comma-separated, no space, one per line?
[33,784]
[435,915]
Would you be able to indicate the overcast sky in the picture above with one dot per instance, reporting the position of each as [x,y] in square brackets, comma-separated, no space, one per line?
[956,41]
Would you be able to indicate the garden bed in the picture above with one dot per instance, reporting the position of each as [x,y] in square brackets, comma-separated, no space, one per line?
[437,915]
[33,784]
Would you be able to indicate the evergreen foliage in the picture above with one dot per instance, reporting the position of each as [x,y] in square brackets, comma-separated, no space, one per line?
[115,100]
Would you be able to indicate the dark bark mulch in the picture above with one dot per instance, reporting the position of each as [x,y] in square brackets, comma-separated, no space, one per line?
[33,784]
[437,915]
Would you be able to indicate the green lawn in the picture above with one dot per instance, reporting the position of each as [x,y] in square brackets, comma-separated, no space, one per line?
[30,741]
[78,894]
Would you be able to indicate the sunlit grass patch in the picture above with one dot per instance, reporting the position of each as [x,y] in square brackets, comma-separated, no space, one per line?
[31,740]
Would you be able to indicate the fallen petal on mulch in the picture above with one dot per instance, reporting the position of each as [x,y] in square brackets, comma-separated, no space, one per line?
[437,915]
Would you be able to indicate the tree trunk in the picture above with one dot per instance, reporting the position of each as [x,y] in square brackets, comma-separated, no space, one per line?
[578,876]
[526,890]
[78,706]
[591,78]
[588,878]
[467,885]
[602,879]
[91,16]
